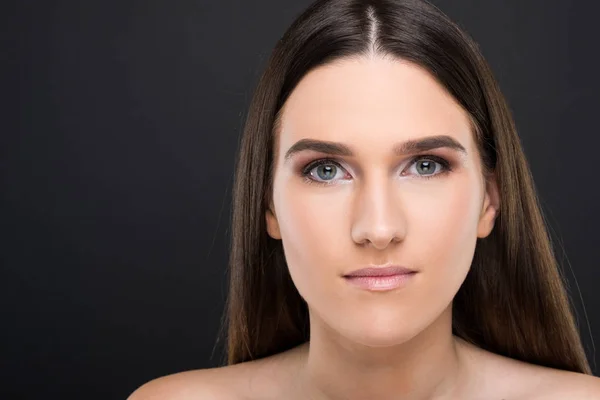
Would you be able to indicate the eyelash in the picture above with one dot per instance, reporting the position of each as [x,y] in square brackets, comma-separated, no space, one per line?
[446,167]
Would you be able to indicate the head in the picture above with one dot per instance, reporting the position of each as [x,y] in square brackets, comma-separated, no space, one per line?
[376,201]
[377,135]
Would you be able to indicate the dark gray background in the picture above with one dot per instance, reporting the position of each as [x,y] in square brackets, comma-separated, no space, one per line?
[120,122]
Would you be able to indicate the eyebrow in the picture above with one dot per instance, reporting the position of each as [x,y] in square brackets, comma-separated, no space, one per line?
[408,147]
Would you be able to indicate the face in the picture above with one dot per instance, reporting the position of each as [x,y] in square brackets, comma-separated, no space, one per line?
[368,200]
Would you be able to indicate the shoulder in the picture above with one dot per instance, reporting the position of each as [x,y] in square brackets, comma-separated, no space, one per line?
[519,380]
[205,384]
[266,378]
[535,382]
[557,384]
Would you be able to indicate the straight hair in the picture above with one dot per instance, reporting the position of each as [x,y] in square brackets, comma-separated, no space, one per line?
[513,301]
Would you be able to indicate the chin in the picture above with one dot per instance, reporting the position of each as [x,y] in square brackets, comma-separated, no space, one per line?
[380,326]
[373,334]
[379,341]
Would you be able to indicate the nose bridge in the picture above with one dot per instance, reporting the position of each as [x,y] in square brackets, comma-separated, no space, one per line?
[378,214]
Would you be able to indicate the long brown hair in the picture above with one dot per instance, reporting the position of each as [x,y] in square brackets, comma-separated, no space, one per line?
[513,301]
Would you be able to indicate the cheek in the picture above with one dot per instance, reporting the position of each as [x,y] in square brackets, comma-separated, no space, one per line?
[445,221]
[443,235]
[312,223]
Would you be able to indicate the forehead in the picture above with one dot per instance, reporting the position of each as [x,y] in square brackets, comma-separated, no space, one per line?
[370,101]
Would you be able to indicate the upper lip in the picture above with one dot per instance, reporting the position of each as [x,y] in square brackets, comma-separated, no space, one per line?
[381,271]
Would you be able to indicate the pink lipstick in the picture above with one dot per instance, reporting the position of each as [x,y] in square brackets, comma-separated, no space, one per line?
[380,278]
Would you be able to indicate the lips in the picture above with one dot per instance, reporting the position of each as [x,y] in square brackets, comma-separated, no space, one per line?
[380,271]
[380,279]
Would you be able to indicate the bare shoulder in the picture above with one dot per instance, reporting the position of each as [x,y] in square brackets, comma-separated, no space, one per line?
[266,378]
[553,384]
[513,379]
[197,384]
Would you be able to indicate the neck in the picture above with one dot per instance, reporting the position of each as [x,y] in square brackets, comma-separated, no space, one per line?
[427,366]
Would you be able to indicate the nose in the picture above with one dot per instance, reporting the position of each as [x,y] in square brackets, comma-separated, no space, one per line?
[378,219]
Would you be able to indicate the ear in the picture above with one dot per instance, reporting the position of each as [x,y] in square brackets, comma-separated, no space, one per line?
[490,209]
[272,224]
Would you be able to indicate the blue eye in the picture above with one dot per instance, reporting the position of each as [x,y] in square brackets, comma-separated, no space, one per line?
[324,170]
[427,166]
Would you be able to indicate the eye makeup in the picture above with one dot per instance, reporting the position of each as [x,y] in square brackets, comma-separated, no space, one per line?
[445,167]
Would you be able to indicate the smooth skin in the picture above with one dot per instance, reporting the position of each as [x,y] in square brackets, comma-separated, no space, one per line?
[377,207]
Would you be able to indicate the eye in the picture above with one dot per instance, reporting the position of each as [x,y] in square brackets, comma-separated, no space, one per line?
[426,165]
[324,171]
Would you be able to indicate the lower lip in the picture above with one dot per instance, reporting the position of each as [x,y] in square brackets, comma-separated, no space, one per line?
[380,283]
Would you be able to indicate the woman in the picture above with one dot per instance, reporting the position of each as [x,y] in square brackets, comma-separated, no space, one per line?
[387,239]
